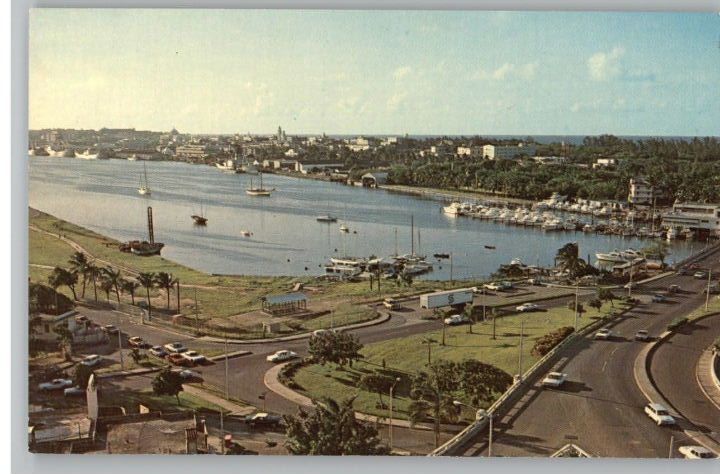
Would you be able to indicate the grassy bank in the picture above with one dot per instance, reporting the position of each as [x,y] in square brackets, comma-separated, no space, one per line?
[407,356]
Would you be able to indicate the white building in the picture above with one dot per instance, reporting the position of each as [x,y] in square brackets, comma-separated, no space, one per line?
[641,192]
[702,218]
[470,151]
[604,163]
[359,144]
[550,160]
[306,168]
[505,152]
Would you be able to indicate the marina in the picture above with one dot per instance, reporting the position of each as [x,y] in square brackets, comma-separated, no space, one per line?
[281,235]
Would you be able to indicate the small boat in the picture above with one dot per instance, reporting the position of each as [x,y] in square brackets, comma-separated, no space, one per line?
[489,247]
[344,228]
[132,157]
[615,256]
[228,165]
[144,189]
[261,191]
[86,155]
[327,218]
[246,233]
[441,255]
[199,220]
[454,209]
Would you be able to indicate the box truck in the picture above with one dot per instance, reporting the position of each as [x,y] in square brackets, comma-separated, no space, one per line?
[440,299]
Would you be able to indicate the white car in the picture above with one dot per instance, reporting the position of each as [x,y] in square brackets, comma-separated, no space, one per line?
[73,392]
[526,307]
[493,286]
[280,356]
[456,319]
[175,347]
[55,384]
[554,379]
[696,452]
[323,332]
[194,356]
[603,334]
[91,360]
[642,335]
[659,414]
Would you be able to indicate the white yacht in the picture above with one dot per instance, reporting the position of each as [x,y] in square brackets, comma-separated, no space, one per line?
[454,209]
[615,256]
[144,188]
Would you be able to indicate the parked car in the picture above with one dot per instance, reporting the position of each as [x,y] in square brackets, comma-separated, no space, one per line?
[713,290]
[91,360]
[696,452]
[456,319]
[603,334]
[74,392]
[177,359]
[554,379]
[672,289]
[526,307]
[659,298]
[190,376]
[194,357]
[642,335]
[683,271]
[701,275]
[659,414]
[110,329]
[264,419]
[55,384]
[175,347]
[281,356]
[137,341]
[158,351]
[323,332]
[493,286]
[391,304]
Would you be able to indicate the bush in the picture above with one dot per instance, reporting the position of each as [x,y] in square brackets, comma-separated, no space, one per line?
[546,343]
[676,323]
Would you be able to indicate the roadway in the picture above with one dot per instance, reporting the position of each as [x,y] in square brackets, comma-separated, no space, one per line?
[601,408]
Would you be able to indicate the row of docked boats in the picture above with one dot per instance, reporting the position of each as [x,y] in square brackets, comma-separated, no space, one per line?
[86,154]
[388,268]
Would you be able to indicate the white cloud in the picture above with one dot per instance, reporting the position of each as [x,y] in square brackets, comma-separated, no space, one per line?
[507,71]
[585,106]
[402,72]
[396,100]
[502,71]
[605,66]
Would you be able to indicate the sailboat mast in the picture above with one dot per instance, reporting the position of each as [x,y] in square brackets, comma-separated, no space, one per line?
[412,235]
[396,242]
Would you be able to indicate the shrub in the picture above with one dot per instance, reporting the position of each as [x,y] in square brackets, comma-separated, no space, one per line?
[546,343]
[676,323]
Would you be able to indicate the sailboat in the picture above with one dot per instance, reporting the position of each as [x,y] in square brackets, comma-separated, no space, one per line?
[144,189]
[200,219]
[261,191]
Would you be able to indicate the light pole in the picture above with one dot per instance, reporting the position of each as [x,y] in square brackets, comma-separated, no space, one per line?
[479,415]
[429,341]
[577,290]
[390,427]
[520,356]
[707,291]
[631,276]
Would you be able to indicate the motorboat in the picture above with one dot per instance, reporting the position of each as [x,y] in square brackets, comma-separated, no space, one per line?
[454,209]
[246,233]
[327,219]
[344,228]
[615,256]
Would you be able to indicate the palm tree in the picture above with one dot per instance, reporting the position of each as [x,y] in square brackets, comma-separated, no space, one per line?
[129,286]
[93,271]
[79,264]
[114,279]
[60,277]
[165,281]
[147,280]
[432,395]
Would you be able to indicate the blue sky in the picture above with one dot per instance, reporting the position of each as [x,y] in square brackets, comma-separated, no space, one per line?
[225,71]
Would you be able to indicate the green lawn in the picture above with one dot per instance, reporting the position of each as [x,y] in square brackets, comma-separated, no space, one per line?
[713,307]
[407,356]
[131,399]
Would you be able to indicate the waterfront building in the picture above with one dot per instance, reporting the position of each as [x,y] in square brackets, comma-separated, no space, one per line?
[642,192]
[359,144]
[604,163]
[550,160]
[704,219]
[191,151]
[306,168]
[507,152]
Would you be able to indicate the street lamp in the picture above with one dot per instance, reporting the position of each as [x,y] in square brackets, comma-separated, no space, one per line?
[390,427]
[479,415]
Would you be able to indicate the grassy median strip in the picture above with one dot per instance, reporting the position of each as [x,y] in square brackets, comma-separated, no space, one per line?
[130,399]
[407,356]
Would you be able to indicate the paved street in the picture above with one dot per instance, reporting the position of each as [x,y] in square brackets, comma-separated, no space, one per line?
[601,408]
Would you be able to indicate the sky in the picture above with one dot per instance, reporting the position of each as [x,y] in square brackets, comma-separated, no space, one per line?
[376,72]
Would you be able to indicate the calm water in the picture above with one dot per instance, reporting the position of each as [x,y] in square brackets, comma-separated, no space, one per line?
[102,195]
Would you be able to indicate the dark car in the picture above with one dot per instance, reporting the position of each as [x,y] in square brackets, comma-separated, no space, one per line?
[263,419]
[659,298]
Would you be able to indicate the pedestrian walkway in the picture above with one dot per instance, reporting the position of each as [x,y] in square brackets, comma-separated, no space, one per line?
[230,406]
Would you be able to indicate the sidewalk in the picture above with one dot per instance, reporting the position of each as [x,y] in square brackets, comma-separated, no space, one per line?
[705,377]
[232,407]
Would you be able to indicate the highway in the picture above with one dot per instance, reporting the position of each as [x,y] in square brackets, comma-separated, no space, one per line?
[601,408]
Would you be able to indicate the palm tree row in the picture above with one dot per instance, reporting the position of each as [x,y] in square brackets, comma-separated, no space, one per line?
[109,280]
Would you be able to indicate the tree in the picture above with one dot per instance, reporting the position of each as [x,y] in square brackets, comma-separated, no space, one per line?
[595,303]
[168,382]
[64,338]
[93,271]
[432,394]
[606,294]
[137,356]
[61,277]
[147,280]
[658,249]
[80,265]
[166,282]
[82,375]
[377,383]
[129,286]
[114,278]
[339,348]
[331,430]
[480,382]
[107,287]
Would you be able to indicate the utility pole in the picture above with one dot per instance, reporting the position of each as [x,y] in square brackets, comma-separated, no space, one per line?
[177,284]
[707,291]
[577,290]
[631,276]
[490,433]
[197,321]
[520,356]
[451,268]
[122,362]
[672,441]
[227,393]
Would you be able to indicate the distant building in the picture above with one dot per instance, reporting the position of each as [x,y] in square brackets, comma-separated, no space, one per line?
[359,144]
[604,163]
[550,160]
[469,151]
[373,180]
[701,218]
[507,152]
[441,149]
[197,151]
[306,168]
[280,164]
[641,192]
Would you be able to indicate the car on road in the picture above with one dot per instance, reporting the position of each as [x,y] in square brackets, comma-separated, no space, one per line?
[110,329]
[73,392]
[175,347]
[323,332]
[659,414]
[603,334]
[263,419]
[391,304]
[493,286]
[55,384]
[701,275]
[194,357]
[91,360]
[280,356]
[138,341]
[554,379]
[158,351]
[527,307]
[456,319]
[672,289]
[190,376]
[178,359]
[642,335]
[713,290]
[659,298]
[683,271]
[696,452]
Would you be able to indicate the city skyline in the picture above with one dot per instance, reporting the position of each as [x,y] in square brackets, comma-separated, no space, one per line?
[375,72]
